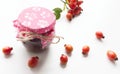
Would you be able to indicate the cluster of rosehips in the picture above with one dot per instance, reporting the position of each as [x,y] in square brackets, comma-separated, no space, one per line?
[63,57]
[85,50]
[69,49]
[110,54]
[74,8]
[33,61]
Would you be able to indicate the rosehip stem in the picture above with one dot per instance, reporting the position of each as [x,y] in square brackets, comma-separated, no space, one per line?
[65,4]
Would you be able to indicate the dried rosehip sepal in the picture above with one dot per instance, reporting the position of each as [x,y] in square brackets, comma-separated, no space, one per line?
[85,50]
[68,48]
[99,35]
[33,61]
[7,50]
[63,59]
[112,55]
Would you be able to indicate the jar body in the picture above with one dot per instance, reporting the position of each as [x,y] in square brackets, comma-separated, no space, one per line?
[36,27]
[40,43]
[33,44]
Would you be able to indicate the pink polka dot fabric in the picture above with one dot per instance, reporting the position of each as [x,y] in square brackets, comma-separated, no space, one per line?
[38,20]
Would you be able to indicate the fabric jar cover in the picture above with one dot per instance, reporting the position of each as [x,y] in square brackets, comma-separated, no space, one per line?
[35,22]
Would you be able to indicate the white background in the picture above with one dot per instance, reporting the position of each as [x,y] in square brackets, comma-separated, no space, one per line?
[103,15]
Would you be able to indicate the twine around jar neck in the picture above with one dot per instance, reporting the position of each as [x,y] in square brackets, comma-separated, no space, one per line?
[26,36]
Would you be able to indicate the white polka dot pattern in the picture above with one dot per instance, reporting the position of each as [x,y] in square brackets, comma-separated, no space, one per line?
[36,18]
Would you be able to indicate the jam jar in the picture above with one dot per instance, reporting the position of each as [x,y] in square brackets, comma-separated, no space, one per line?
[35,27]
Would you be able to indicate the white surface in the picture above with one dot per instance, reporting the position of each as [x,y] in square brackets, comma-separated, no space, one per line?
[103,15]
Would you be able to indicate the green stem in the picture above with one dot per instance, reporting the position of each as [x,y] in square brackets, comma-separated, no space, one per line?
[67,1]
[64,7]
[65,4]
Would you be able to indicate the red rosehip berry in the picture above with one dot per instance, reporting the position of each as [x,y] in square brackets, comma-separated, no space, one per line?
[71,11]
[33,61]
[72,5]
[73,0]
[111,55]
[63,59]
[69,16]
[79,2]
[77,10]
[99,35]
[7,50]
[68,48]
[85,50]
[69,1]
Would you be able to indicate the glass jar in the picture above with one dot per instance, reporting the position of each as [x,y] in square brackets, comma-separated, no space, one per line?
[35,26]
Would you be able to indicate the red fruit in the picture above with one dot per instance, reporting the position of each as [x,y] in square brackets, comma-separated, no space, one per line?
[99,35]
[69,1]
[33,61]
[79,2]
[71,11]
[68,48]
[7,50]
[112,55]
[77,10]
[85,49]
[69,16]
[73,0]
[72,5]
[63,59]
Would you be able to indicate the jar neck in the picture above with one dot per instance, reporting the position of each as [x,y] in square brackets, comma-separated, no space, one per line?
[26,35]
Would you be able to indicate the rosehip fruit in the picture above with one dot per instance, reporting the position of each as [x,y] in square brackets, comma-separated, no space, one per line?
[99,35]
[111,55]
[71,11]
[69,1]
[7,50]
[63,59]
[72,5]
[68,48]
[79,2]
[85,50]
[33,61]
[77,10]
[69,16]
[73,0]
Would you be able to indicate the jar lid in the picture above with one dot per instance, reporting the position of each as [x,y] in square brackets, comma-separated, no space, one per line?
[37,19]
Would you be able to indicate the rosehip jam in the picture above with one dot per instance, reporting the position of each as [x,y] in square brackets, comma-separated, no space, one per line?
[35,27]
